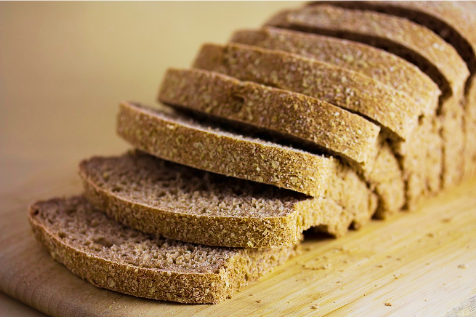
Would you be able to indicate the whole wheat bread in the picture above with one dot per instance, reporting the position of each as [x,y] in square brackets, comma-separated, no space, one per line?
[175,137]
[112,256]
[309,121]
[322,80]
[421,156]
[415,43]
[182,203]
[365,59]
[178,138]
[338,86]
[453,22]
[407,39]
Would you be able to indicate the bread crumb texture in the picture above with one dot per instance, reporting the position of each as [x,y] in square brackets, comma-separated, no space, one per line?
[112,256]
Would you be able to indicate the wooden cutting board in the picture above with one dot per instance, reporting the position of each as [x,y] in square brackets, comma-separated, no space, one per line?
[417,264]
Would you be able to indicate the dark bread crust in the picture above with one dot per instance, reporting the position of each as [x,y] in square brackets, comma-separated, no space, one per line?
[236,268]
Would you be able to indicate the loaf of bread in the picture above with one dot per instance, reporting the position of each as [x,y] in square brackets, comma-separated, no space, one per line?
[329,115]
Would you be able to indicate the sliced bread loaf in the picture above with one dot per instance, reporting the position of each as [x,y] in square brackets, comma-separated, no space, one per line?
[420,158]
[370,61]
[311,122]
[112,256]
[216,95]
[341,87]
[182,203]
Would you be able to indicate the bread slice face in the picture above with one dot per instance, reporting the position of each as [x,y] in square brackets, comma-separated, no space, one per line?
[338,86]
[182,203]
[112,256]
[311,122]
[176,137]
[361,58]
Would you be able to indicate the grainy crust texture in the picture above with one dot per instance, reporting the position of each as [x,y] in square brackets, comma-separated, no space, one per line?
[330,128]
[186,142]
[304,75]
[338,86]
[91,256]
[365,59]
[420,156]
[155,196]
[455,22]
[430,53]
[413,41]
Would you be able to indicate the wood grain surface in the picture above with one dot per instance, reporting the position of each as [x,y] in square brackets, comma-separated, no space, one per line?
[63,69]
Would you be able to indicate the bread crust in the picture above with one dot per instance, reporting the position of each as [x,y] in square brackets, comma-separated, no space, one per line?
[365,59]
[332,129]
[210,287]
[196,145]
[338,86]
[444,64]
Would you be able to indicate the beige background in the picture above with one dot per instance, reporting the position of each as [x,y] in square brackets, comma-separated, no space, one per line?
[65,66]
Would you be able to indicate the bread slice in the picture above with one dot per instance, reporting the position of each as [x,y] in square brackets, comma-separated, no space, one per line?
[413,42]
[178,138]
[313,123]
[112,256]
[338,86]
[182,203]
[361,58]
